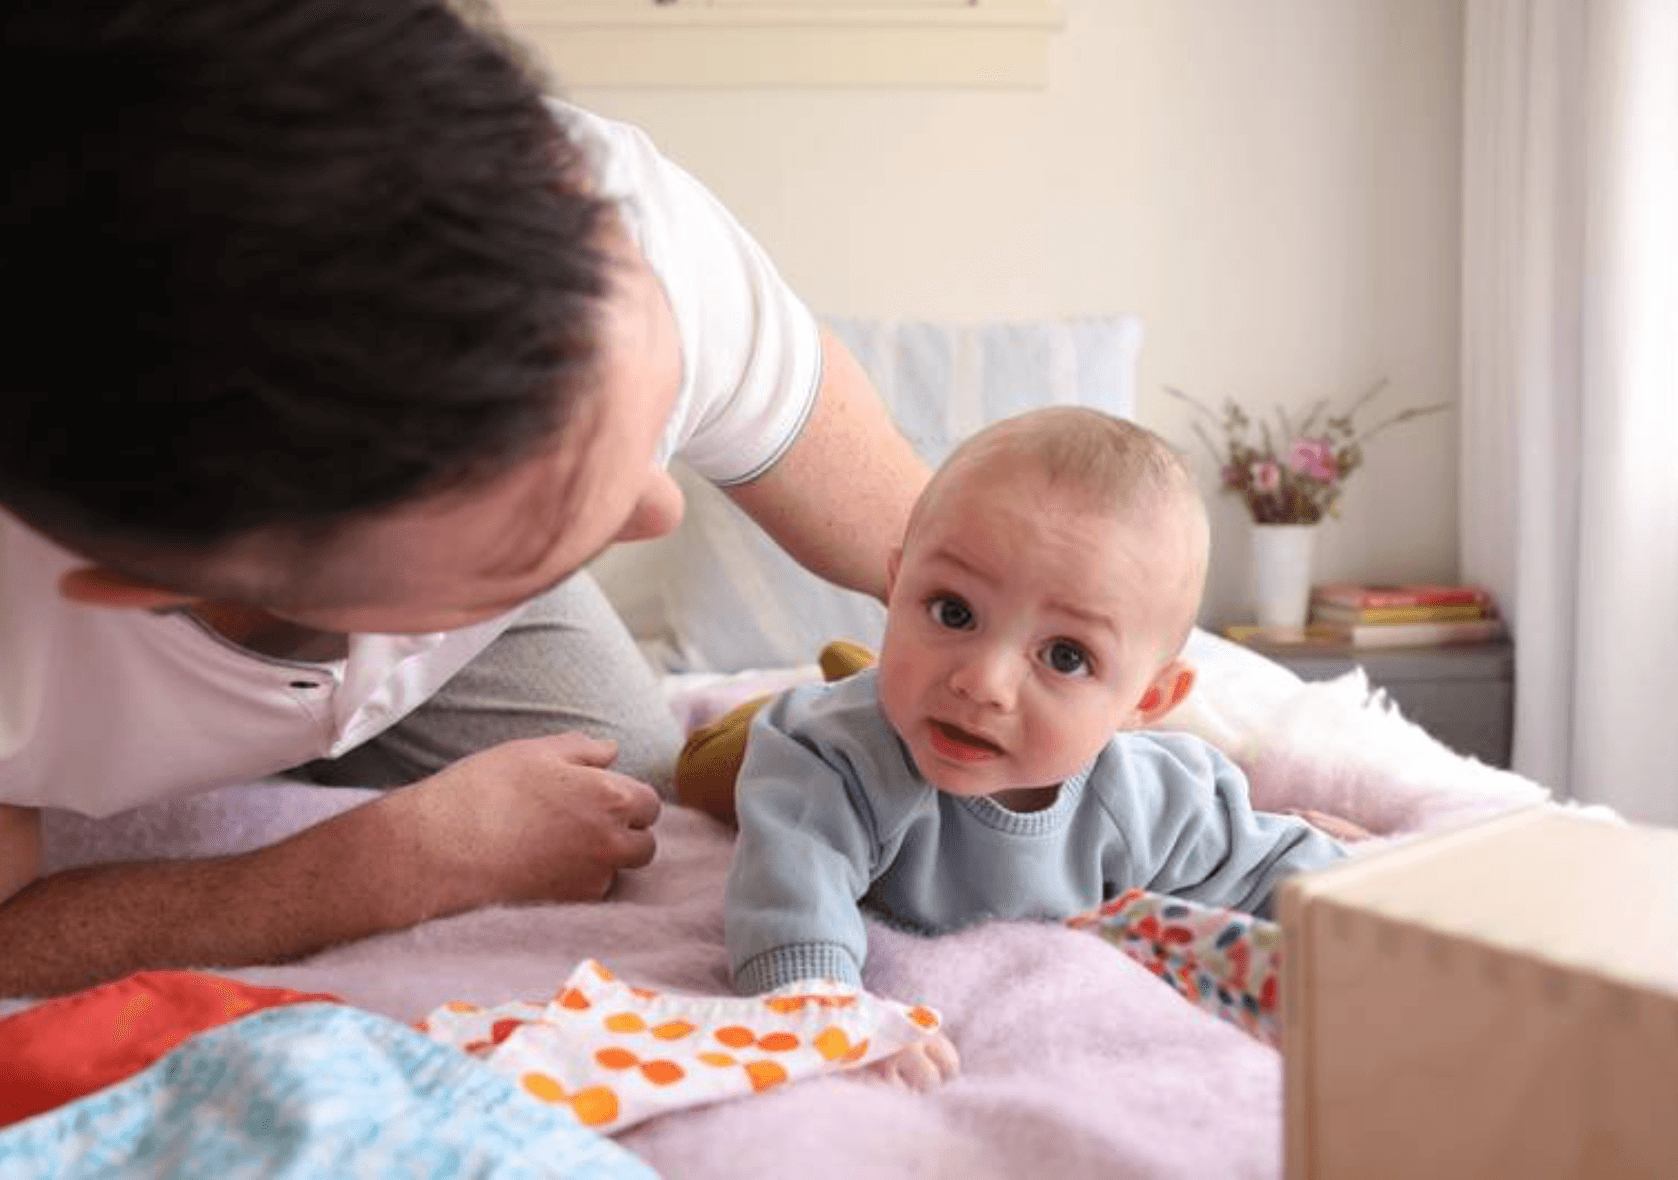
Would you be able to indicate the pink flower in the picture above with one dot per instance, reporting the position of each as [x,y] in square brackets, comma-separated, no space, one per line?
[1314,457]
[1267,477]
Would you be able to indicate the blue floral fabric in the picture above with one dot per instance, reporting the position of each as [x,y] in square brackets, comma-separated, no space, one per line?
[307,1091]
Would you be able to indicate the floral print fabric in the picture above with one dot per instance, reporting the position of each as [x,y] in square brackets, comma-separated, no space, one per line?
[1224,961]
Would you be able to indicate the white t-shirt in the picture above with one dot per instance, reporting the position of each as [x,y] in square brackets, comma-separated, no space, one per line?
[101,710]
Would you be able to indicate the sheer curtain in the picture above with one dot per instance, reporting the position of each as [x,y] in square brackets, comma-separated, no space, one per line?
[1570,382]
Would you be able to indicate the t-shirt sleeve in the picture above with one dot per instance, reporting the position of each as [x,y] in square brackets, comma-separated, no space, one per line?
[1188,826]
[803,860]
[751,350]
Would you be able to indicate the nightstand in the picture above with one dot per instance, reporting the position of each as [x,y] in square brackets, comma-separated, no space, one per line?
[1463,694]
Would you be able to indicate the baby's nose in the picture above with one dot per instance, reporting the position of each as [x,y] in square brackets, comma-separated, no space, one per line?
[989,677]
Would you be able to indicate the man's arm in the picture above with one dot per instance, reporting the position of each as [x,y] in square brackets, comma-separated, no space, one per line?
[839,498]
[332,883]
[525,821]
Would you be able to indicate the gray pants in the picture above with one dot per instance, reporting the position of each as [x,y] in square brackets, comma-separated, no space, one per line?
[566,664]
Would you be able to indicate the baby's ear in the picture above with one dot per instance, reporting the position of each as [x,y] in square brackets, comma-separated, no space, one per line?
[1164,693]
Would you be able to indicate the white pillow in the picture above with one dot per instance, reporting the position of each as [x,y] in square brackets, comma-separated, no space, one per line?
[719,596]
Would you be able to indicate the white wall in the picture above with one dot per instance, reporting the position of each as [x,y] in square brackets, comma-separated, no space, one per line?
[1273,186]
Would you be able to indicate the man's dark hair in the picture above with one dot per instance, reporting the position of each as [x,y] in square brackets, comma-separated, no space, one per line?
[277,262]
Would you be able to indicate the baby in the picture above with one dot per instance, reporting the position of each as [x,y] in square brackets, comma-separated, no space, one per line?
[993,766]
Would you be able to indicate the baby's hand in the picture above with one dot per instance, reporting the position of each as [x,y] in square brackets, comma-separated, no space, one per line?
[1339,827]
[921,1068]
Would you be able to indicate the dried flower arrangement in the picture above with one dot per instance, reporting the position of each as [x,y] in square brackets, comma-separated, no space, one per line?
[1300,482]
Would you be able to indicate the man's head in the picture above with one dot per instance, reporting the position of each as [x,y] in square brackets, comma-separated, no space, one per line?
[292,266]
[1048,579]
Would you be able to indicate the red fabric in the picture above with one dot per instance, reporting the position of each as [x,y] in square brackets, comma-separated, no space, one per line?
[65,1048]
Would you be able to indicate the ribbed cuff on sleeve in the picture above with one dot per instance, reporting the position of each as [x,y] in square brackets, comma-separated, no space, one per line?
[789,964]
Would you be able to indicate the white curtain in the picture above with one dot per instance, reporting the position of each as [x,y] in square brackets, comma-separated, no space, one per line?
[1570,382]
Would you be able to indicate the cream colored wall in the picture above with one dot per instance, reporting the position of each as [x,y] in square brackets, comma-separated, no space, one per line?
[1272,184]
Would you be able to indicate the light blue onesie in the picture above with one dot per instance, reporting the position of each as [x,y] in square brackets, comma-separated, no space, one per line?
[833,812]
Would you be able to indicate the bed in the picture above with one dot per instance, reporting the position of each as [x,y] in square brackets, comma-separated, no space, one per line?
[1078,1060]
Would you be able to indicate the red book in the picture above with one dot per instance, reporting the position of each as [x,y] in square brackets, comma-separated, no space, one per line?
[1372,597]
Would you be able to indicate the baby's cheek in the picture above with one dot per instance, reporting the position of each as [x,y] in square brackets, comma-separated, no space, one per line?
[1063,746]
[896,694]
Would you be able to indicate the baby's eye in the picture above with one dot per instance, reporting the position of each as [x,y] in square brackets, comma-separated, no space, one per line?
[1067,658]
[949,611]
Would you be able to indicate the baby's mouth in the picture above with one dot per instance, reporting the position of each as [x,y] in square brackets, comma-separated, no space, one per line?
[963,742]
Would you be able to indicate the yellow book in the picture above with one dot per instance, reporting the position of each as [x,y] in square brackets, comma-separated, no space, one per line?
[1318,634]
[1329,612]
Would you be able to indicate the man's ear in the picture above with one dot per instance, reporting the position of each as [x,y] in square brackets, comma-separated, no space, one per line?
[95,586]
[1167,690]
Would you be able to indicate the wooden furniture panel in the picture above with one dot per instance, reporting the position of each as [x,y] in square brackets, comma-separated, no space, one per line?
[1501,1001]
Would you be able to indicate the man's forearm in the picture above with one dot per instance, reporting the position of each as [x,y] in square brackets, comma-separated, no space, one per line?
[356,874]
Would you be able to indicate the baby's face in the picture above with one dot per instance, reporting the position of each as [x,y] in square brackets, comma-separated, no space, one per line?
[1023,628]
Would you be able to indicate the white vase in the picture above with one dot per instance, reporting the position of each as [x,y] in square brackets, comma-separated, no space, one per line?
[1281,568]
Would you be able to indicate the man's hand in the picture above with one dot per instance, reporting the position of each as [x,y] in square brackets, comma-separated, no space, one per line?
[541,819]
[921,1067]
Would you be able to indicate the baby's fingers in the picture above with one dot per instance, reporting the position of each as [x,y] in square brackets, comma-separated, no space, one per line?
[921,1067]
[941,1053]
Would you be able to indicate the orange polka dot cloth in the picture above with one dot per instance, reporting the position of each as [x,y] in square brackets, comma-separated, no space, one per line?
[616,1055]
[1224,961]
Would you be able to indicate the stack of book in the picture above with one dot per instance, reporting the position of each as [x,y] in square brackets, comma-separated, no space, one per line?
[1406,615]
[1414,614]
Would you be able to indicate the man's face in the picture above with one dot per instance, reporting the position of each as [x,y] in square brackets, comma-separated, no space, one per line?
[467,556]
[1023,628]
[472,556]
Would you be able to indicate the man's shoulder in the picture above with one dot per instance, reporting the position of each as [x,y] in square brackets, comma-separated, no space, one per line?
[617,153]
[751,351]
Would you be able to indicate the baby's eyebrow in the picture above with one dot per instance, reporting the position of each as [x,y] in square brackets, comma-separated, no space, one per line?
[1094,618]
[949,557]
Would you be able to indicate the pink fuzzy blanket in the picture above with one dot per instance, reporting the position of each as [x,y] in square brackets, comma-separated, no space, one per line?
[1076,1061]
